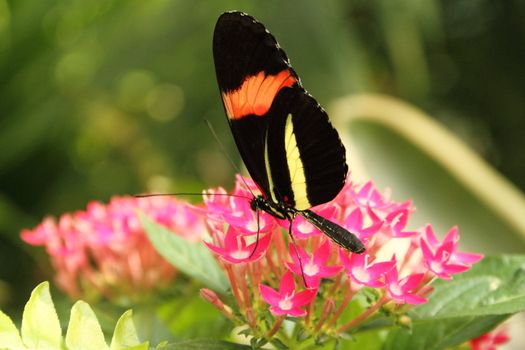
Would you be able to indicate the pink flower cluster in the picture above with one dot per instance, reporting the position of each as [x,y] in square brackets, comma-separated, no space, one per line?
[103,250]
[399,261]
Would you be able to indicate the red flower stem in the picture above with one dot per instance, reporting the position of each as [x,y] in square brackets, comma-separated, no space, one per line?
[235,288]
[213,299]
[308,317]
[275,327]
[251,319]
[337,283]
[364,315]
[348,297]
[281,250]
[272,267]
[244,287]
[255,273]
[328,307]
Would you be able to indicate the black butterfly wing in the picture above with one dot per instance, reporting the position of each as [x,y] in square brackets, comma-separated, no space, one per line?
[304,152]
[250,69]
[284,137]
[243,48]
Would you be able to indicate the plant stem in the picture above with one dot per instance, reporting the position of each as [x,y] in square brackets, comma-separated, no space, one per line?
[341,307]
[363,315]
[275,327]
[235,288]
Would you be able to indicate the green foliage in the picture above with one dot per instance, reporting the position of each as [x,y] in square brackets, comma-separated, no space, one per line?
[36,333]
[203,345]
[41,328]
[403,148]
[494,286]
[192,317]
[194,259]
[466,307]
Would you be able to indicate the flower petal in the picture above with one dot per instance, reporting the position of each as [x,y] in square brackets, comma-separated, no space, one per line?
[269,295]
[304,297]
[287,284]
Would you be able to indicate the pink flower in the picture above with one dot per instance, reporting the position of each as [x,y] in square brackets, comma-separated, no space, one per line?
[104,250]
[490,340]
[246,220]
[236,251]
[404,290]
[286,301]
[314,265]
[275,266]
[236,209]
[360,271]
[443,259]
[355,223]
[397,221]
[369,196]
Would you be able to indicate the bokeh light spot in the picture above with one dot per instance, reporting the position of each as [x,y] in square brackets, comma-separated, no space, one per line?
[164,102]
[133,89]
[159,184]
[74,70]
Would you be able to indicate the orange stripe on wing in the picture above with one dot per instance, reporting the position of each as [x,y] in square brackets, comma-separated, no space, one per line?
[256,94]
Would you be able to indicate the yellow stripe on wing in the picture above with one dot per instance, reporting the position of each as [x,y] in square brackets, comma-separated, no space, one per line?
[295,167]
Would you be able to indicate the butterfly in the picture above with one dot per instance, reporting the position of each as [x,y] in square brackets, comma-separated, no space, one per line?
[290,148]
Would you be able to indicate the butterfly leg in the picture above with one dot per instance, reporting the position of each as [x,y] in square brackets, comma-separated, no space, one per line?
[290,221]
[258,231]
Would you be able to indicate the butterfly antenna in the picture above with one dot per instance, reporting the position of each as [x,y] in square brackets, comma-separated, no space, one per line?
[145,195]
[236,168]
[223,150]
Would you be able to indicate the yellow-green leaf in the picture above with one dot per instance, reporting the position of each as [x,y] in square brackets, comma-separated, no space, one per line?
[83,331]
[40,325]
[9,336]
[125,336]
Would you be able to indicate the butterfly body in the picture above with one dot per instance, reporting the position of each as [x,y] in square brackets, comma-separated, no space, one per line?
[285,139]
[338,234]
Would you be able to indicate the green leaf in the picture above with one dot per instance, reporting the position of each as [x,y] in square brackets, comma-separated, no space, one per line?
[441,334]
[192,317]
[125,335]
[494,286]
[203,344]
[194,259]
[9,336]
[40,325]
[277,343]
[466,307]
[371,340]
[83,331]
[41,328]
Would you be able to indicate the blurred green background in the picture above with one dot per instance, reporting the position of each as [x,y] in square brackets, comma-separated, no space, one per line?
[104,97]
